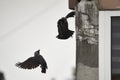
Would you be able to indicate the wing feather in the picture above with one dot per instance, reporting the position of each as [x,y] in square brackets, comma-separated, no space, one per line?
[30,63]
[71,14]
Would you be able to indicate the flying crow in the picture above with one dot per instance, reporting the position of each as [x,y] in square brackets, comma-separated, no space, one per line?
[34,62]
[63,30]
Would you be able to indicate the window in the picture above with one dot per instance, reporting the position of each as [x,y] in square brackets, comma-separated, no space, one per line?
[109,45]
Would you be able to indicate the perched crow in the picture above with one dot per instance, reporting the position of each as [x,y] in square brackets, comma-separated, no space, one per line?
[34,62]
[64,32]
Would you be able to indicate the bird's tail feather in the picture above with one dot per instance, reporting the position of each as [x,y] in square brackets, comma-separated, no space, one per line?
[43,70]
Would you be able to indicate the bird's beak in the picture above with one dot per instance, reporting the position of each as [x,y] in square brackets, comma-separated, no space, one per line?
[38,50]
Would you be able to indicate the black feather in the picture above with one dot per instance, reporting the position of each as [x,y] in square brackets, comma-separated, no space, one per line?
[30,63]
[71,14]
[63,31]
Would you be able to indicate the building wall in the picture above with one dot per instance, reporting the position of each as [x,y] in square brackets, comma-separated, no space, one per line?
[103,4]
[109,4]
[87,28]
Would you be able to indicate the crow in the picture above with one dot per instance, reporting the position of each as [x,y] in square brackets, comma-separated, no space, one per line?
[34,62]
[64,32]
[62,24]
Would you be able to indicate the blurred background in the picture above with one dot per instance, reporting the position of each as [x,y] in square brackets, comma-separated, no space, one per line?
[29,25]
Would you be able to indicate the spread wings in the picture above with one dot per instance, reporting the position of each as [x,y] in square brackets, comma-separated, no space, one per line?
[30,63]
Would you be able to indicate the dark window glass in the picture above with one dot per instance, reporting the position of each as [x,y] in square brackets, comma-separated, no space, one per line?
[115,48]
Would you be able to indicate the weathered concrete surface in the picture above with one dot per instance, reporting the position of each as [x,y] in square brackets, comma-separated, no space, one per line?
[87,73]
[87,40]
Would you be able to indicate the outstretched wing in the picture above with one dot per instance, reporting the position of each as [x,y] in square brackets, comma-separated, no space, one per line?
[30,63]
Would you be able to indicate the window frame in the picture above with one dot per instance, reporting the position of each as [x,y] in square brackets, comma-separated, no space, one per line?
[105,43]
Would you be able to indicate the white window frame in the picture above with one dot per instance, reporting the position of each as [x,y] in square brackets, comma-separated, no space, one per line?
[105,43]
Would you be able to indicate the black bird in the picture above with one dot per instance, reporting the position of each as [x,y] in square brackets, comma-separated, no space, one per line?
[34,62]
[2,76]
[62,24]
[63,31]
